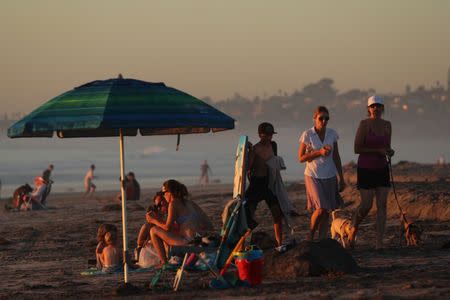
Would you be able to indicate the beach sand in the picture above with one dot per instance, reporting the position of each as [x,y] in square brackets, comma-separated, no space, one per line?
[43,252]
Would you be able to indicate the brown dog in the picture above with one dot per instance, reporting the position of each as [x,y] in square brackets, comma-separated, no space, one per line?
[344,229]
[412,232]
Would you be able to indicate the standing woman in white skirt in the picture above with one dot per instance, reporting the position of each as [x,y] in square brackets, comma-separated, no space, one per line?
[319,149]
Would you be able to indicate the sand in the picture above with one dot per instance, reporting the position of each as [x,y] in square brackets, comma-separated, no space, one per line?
[43,252]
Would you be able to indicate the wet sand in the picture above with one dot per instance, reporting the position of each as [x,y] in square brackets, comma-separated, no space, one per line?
[43,252]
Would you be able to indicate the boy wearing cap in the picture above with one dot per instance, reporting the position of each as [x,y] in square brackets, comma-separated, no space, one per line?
[258,189]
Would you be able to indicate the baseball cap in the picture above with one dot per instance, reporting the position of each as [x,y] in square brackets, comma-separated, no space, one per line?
[266,128]
[375,100]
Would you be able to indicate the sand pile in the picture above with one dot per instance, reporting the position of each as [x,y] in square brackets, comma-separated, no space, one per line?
[309,259]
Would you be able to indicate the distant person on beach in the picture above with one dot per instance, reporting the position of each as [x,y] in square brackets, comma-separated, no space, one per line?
[319,149]
[20,196]
[373,144]
[47,173]
[205,170]
[441,160]
[182,212]
[132,188]
[38,195]
[258,189]
[89,186]
[47,178]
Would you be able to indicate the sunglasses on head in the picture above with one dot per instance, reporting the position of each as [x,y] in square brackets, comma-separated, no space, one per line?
[321,118]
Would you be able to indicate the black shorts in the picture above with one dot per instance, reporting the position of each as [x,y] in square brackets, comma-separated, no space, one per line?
[373,178]
[257,191]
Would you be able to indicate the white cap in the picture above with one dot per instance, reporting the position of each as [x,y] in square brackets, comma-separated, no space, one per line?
[374,100]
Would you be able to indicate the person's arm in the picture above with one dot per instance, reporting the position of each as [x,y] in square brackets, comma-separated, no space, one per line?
[104,256]
[389,151]
[251,159]
[99,248]
[338,164]
[303,156]
[167,226]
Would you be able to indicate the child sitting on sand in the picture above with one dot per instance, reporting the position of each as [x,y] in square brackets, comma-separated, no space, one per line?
[110,256]
[101,242]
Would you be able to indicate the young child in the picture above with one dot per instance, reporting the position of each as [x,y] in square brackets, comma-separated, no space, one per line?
[110,256]
[101,243]
[159,210]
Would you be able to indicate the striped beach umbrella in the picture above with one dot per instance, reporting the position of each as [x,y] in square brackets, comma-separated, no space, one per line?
[121,107]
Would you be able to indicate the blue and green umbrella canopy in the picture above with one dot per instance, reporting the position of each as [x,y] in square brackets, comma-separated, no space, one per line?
[102,107]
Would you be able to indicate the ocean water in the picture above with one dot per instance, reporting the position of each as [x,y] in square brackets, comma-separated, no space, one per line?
[155,159]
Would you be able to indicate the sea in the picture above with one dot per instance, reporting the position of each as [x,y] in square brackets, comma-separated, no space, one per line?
[155,159]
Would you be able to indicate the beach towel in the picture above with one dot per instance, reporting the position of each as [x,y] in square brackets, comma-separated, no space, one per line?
[94,271]
[275,165]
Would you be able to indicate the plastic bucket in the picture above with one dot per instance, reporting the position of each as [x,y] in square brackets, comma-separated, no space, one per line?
[250,270]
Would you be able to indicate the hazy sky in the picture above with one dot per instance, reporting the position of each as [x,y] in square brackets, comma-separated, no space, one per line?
[215,48]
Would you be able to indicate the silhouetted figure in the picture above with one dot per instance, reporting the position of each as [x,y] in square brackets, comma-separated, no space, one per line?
[205,170]
[89,186]
[47,173]
[132,188]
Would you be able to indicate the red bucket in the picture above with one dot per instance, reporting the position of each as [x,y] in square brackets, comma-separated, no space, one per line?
[250,270]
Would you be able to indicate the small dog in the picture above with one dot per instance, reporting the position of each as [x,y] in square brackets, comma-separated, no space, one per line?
[412,232]
[344,229]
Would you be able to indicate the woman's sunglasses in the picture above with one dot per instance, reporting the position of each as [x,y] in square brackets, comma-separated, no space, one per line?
[324,118]
[376,105]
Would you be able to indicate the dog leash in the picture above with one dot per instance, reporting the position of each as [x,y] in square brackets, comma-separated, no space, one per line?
[393,189]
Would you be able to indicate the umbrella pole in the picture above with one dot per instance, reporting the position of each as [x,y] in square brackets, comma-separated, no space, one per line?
[124,208]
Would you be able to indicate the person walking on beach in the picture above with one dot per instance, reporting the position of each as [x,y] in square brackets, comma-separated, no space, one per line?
[89,186]
[319,149]
[258,189]
[373,144]
[46,175]
[205,169]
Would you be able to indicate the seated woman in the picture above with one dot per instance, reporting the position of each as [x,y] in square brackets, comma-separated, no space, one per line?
[110,256]
[132,188]
[101,241]
[190,218]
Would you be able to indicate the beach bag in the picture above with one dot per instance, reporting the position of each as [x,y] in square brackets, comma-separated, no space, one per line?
[148,257]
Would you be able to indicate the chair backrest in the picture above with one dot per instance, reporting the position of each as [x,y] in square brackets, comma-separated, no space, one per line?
[236,222]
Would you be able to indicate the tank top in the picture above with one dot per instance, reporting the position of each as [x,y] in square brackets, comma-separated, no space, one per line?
[373,160]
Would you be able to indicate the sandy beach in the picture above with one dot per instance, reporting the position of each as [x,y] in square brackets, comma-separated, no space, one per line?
[43,252]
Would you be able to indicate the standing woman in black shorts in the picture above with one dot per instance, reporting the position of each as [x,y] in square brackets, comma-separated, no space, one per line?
[373,144]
